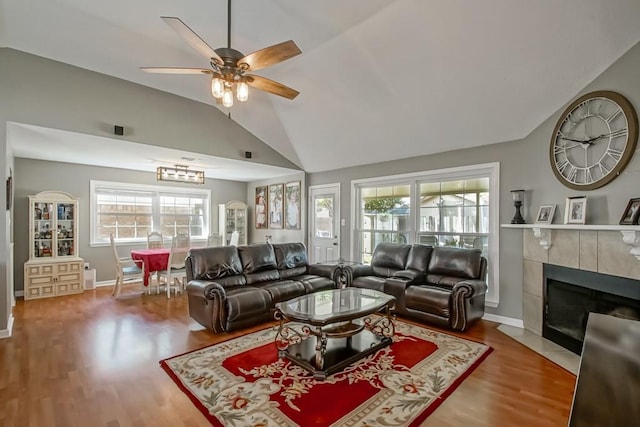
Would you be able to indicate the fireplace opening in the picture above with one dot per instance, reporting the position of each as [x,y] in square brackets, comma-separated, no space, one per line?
[571,294]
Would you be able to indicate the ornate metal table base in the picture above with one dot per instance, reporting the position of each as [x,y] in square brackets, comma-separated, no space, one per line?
[337,345]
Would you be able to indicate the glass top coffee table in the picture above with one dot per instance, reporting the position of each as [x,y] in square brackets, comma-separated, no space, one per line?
[343,323]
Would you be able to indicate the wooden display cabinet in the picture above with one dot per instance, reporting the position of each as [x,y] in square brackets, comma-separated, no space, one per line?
[54,266]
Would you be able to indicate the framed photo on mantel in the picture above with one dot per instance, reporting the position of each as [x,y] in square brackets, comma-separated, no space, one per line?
[575,211]
[631,213]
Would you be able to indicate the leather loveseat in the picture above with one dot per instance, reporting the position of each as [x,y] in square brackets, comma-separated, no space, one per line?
[444,286]
[235,287]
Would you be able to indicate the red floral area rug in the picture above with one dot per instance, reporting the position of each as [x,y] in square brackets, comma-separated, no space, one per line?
[242,382]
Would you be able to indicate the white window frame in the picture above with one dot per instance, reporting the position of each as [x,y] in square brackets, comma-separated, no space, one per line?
[158,190]
[492,170]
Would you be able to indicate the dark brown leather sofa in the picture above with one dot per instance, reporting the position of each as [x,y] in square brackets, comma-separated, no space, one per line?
[235,287]
[444,286]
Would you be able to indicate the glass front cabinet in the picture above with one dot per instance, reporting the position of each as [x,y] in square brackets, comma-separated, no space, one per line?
[233,217]
[54,266]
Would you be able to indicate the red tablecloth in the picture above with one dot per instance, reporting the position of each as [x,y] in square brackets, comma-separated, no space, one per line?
[152,260]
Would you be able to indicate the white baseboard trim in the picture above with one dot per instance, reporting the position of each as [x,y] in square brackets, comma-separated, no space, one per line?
[19,293]
[6,333]
[518,323]
[105,283]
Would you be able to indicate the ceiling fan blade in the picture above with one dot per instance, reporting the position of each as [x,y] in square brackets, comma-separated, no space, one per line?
[269,55]
[192,38]
[271,86]
[176,70]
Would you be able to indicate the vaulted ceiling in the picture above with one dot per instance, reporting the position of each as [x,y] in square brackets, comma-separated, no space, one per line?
[379,79]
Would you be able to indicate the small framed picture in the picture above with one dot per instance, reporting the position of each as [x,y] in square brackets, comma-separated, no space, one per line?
[575,211]
[545,214]
[631,213]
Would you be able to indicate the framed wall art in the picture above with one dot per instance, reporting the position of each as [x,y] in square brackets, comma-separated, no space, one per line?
[275,205]
[631,213]
[262,207]
[292,205]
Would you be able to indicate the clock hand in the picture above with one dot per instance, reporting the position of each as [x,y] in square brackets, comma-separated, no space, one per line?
[574,140]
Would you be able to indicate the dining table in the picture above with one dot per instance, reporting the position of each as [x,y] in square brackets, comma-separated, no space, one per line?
[153,259]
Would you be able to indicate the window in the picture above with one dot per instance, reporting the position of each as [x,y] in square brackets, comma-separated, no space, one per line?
[451,207]
[131,211]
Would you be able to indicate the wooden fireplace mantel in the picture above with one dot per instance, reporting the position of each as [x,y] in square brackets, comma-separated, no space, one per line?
[543,232]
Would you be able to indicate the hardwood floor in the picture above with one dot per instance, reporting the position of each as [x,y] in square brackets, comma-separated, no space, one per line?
[91,360]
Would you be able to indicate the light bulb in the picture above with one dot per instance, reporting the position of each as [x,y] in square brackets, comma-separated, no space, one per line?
[227,98]
[217,87]
[242,91]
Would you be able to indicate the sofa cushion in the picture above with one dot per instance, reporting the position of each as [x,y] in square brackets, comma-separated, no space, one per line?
[447,282]
[313,283]
[245,301]
[456,262]
[369,282]
[215,263]
[283,290]
[419,257]
[262,276]
[292,272]
[290,255]
[389,258]
[257,258]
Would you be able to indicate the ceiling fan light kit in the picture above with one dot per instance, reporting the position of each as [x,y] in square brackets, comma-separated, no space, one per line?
[229,67]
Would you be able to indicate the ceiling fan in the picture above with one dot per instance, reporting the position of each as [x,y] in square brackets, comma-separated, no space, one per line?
[229,67]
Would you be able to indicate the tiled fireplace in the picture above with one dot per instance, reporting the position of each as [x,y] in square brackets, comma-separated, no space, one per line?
[586,250]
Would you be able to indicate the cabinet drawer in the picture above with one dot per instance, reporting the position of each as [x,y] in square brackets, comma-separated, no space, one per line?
[39,270]
[40,281]
[71,277]
[75,267]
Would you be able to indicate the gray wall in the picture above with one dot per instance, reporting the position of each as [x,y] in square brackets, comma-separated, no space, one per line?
[524,164]
[33,176]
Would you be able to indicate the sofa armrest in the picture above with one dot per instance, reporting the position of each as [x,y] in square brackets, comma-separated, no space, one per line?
[206,289]
[360,270]
[467,303]
[469,288]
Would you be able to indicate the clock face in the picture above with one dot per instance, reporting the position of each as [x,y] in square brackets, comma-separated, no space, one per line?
[594,140]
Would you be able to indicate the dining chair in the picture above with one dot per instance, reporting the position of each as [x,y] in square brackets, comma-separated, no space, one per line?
[126,269]
[175,275]
[155,240]
[214,239]
[235,237]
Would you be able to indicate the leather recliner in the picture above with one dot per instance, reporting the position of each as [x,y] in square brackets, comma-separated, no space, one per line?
[235,287]
[444,286]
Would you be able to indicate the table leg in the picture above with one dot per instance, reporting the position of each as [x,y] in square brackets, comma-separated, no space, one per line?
[321,348]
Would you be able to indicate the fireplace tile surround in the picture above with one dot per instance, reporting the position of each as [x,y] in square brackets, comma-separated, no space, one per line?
[602,251]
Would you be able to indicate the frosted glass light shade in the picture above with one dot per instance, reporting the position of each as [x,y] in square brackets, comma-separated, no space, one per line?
[227,98]
[242,91]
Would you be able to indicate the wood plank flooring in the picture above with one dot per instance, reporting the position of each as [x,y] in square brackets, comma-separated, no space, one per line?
[91,360]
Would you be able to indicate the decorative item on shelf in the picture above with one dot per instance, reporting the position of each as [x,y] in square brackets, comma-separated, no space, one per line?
[518,197]
[631,213]
[545,214]
[575,211]
[180,173]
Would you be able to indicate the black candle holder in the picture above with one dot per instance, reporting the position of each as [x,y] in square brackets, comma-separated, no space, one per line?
[518,196]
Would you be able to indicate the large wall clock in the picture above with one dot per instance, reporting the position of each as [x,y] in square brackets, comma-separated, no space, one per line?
[594,140]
